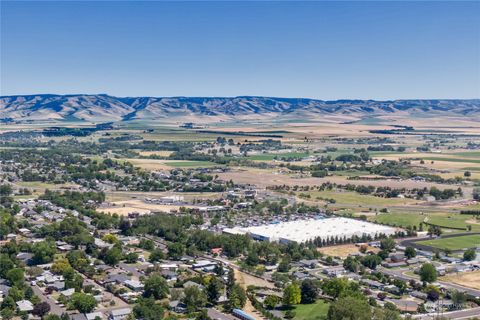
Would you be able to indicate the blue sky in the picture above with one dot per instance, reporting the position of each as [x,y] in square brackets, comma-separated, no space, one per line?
[325,50]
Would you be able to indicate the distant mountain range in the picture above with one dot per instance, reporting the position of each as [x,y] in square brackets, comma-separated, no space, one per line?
[102,108]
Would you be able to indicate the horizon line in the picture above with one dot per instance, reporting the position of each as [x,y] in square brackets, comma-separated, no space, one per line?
[228,97]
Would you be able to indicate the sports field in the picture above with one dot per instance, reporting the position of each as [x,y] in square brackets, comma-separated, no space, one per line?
[453,243]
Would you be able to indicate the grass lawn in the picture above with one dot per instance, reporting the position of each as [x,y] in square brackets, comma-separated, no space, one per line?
[317,310]
[454,243]
[398,219]
[451,220]
[272,156]
[444,220]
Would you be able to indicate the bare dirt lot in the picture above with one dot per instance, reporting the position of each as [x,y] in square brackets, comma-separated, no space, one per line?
[245,280]
[467,279]
[125,207]
[343,250]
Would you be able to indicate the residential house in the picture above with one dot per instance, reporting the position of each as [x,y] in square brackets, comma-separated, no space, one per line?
[119,314]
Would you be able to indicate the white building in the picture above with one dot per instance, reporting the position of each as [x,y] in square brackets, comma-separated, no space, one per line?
[303,230]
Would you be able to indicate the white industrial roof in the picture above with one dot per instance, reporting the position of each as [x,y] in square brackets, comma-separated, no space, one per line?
[304,230]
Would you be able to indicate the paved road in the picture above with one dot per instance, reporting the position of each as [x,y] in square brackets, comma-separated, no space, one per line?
[54,308]
[400,274]
[458,315]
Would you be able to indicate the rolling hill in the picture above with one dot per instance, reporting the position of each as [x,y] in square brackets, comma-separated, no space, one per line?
[101,108]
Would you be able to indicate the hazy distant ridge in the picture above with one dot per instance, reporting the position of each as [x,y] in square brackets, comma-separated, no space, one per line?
[108,108]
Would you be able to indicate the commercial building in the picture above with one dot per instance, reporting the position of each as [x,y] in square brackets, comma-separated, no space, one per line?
[303,230]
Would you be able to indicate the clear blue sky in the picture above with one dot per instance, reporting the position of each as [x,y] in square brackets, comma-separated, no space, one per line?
[325,50]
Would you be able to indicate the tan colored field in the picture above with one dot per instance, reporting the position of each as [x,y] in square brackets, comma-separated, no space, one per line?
[150,164]
[136,195]
[155,153]
[264,178]
[343,250]
[467,279]
[123,208]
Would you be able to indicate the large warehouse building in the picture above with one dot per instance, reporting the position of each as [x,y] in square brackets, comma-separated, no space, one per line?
[303,230]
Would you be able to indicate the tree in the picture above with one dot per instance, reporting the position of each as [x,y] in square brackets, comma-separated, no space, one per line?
[6,264]
[43,252]
[469,255]
[194,298]
[434,231]
[131,257]
[334,287]
[156,255]
[214,288]
[459,298]
[41,309]
[410,252]
[230,281]
[16,276]
[476,194]
[351,264]
[428,273]
[309,291]
[433,293]
[147,309]
[60,266]
[237,298]
[292,294]
[284,265]
[387,244]
[83,302]
[371,261]
[113,256]
[271,302]
[156,286]
[16,293]
[110,238]
[385,314]
[349,308]
[176,250]
[203,315]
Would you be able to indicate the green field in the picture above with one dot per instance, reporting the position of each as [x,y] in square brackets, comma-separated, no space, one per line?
[191,164]
[454,243]
[272,156]
[314,311]
[444,220]
[468,154]
[398,219]
[452,159]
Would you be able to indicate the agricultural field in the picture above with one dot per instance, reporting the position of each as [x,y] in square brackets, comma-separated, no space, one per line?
[273,156]
[154,164]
